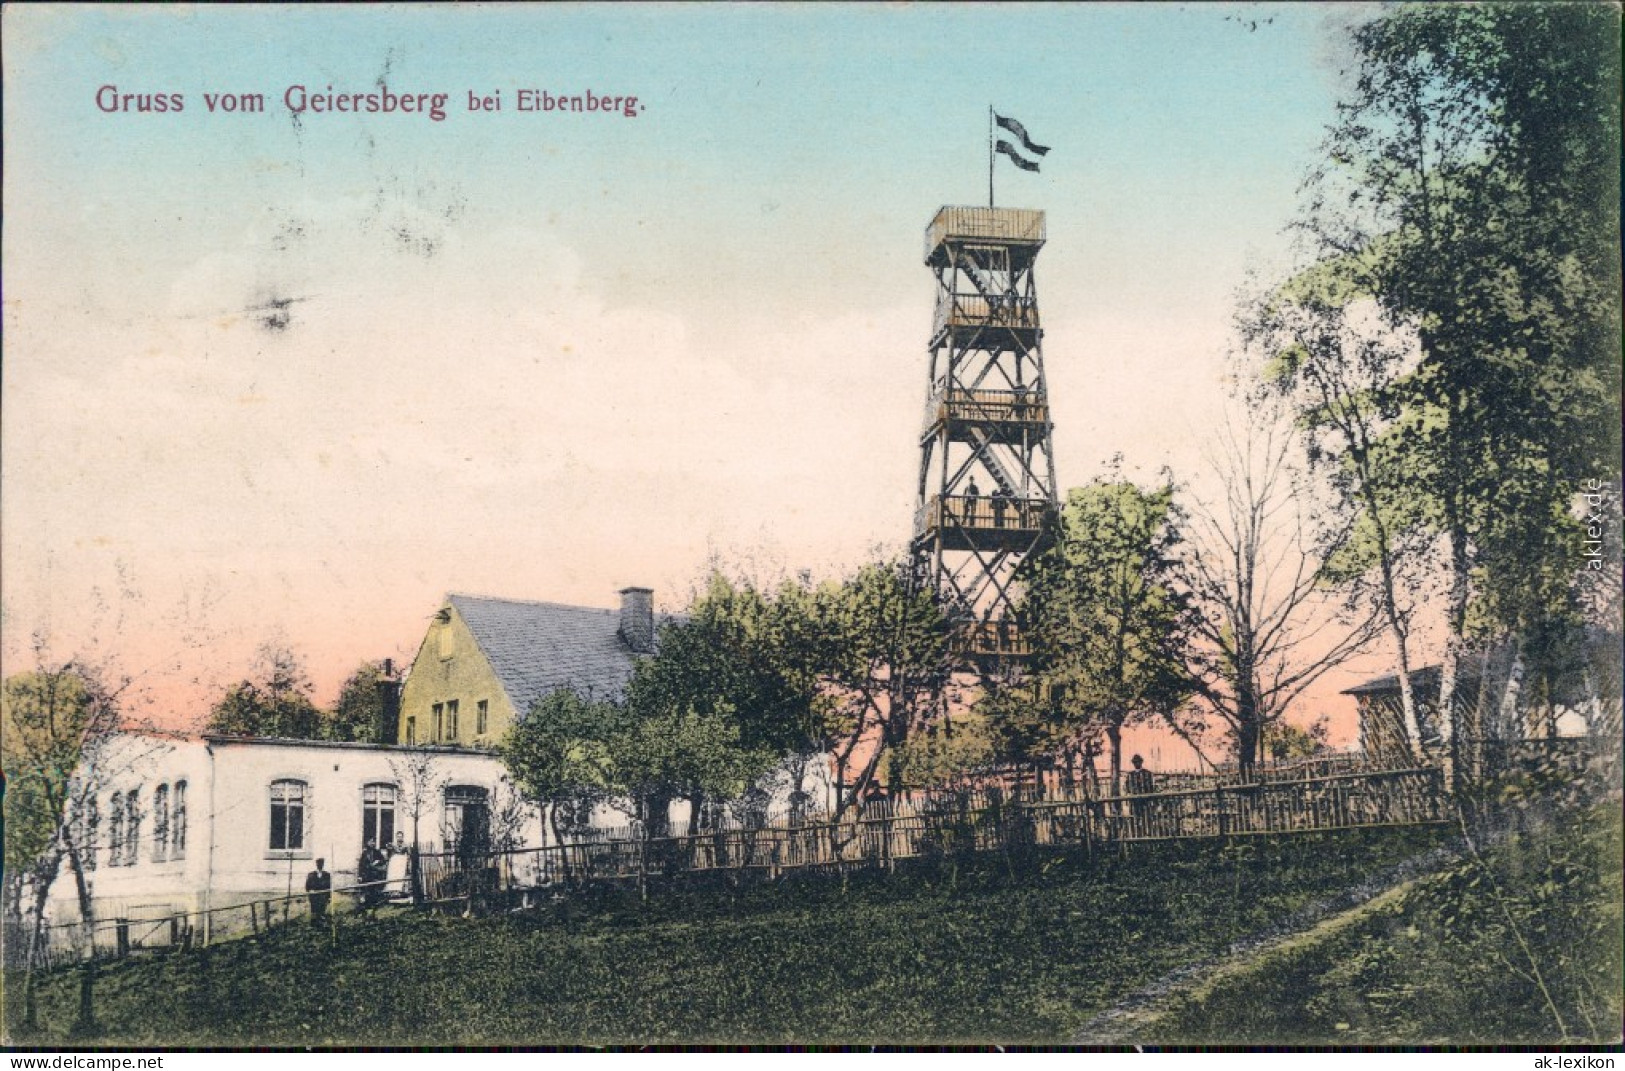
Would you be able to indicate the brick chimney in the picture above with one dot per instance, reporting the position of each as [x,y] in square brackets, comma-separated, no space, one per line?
[389,703]
[638,619]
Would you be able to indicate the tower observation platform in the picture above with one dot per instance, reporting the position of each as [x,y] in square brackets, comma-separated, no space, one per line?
[987,494]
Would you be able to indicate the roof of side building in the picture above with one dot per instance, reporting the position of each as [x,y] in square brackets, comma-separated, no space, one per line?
[540,647]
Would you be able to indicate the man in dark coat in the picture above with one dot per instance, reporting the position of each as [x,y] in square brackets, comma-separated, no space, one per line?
[371,871]
[1139,779]
[319,885]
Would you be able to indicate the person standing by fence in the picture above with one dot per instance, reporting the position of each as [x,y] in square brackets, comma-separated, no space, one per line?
[1139,781]
[397,870]
[371,873]
[319,886]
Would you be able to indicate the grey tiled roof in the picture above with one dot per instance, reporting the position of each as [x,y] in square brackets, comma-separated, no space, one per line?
[540,647]
[1426,677]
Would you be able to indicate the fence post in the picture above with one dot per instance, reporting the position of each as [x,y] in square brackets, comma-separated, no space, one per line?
[121,931]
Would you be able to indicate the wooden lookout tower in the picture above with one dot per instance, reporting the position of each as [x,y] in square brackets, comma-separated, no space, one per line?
[987,491]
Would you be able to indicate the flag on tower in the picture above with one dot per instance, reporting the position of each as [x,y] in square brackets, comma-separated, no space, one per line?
[1016,157]
[1024,157]
[1021,133]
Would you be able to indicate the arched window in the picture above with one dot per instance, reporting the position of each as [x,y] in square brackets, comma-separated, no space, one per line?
[80,828]
[115,830]
[378,814]
[160,824]
[288,801]
[132,827]
[177,822]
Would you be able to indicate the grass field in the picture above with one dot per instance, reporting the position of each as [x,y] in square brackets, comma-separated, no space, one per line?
[1523,948]
[984,954]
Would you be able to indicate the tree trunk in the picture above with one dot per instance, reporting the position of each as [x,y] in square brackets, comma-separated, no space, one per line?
[1409,722]
[1390,596]
[866,775]
[86,1022]
[1247,739]
[558,840]
[1456,606]
[657,816]
[696,801]
[30,1006]
[798,794]
[644,810]
[36,933]
[1472,757]
[1507,724]
[1114,738]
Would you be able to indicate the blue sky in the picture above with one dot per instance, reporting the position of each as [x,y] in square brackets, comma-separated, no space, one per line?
[550,355]
[768,130]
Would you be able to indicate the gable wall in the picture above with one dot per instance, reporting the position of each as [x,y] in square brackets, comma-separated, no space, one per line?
[466,676]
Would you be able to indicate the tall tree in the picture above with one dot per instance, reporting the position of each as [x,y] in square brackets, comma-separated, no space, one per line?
[60,744]
[1264,626]
[558,756]
[651,754]
[358,712]
[1472,192]
[885,664]
[749,656]
[1107,620]
[657,755]
[46,719]
[1335,363]
[275,701]
[419,772]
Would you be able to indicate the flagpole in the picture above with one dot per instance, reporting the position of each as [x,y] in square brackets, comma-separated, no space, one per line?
[990,156]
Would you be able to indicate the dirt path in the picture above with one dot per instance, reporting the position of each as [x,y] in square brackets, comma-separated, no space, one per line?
[1124,1021]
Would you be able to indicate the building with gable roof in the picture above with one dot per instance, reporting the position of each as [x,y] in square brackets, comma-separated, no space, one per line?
[1496,682]
[484,662]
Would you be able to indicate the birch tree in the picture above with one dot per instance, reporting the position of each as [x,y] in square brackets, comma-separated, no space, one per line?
[1471,191]
[1335,363]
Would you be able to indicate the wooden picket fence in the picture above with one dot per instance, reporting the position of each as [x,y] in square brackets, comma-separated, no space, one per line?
[65,943]
[966,821]
[938,824]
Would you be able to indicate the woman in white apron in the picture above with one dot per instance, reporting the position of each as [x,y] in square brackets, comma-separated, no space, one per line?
[396,884]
